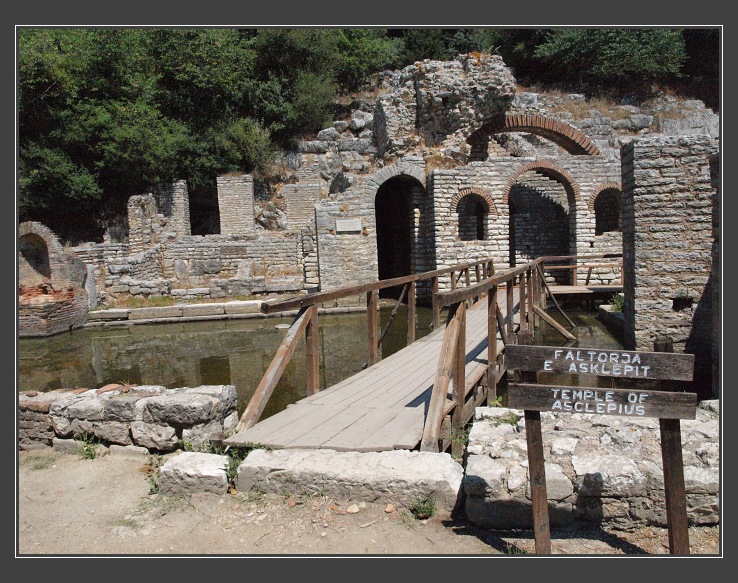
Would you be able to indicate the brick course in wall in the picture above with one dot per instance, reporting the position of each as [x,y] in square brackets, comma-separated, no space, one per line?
[668,199]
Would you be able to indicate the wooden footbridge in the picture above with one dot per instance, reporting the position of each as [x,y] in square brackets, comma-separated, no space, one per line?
[411,399]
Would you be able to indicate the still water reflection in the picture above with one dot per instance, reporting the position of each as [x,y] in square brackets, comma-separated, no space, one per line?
[238,352]
[191,354]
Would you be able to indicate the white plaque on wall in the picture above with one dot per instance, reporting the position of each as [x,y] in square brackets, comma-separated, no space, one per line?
[348,225]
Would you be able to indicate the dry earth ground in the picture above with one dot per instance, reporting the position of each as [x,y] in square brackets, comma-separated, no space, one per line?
[68,505]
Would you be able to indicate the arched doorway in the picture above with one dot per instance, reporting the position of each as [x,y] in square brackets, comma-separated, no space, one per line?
[542,215]
[397,212]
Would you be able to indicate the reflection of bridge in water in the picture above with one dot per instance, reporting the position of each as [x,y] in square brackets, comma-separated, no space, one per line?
[412,399]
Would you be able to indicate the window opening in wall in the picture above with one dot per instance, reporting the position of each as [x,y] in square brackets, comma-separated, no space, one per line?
[472,219]
[681,303]
[607,211]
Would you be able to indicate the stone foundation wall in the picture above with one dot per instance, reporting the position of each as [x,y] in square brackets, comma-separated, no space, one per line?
[150,416]
[599,469]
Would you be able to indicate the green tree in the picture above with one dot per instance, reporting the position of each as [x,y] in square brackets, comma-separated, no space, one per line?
[612,60]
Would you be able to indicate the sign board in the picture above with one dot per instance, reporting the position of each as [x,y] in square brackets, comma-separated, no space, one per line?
[348,225]
[624,402]
[611,363]
[669,407]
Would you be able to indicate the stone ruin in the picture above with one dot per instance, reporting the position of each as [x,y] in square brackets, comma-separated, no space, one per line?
[449,164]
[52,293]
[150,417]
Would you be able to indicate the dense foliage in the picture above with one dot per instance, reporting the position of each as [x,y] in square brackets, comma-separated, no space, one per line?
[105,113]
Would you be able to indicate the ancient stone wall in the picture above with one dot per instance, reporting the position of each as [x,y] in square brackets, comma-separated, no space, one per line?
[581,176]
[52,294]
[173,201]
[236,204]
[600,469]
[439,103]
[150,416]
[668,198]
[715,275]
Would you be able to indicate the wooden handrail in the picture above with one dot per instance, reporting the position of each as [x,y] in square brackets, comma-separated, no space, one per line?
[452,358]
[273,306]
[531,285]
[269,381]
[446,361]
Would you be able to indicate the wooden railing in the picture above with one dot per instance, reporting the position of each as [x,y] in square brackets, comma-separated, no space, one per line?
[467,394]
[468,284]
[305,324]
[575,263]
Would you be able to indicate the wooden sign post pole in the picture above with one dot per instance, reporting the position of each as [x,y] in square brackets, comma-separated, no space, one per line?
[674,490]
[536,462]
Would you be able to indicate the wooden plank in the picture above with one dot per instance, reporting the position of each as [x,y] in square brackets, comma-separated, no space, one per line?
[671,456]
[312,352]
[563,331]
[263,429]
[413,431]
[364,390]
[316,437]
[621,402]
[674,489]
[434,416]
[372,314]
[310,417]
[459,383]
[387,437]
[411,314]
[371,421]
[614,363]
[366,378]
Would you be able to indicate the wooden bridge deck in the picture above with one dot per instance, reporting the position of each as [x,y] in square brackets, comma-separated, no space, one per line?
[586,290]
[381,408]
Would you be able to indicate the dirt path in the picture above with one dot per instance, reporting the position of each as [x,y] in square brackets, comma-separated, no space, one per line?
[69,505]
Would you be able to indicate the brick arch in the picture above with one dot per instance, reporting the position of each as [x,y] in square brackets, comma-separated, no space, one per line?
[556,130]
[483,194]
[52,242]
[548,169]
[599,189]
[399,169]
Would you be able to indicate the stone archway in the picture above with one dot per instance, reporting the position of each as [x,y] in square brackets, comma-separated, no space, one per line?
[542,199]
[51,284]
[404,231]
[558,131]
[398,207]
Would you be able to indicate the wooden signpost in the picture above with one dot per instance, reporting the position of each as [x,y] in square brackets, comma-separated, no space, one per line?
[668,407]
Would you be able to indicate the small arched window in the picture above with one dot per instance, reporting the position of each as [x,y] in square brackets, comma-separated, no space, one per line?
[472,213]
[607,211]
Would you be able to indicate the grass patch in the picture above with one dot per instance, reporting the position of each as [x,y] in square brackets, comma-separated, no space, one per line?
[162,505]
[423,507]
[506,419]
[88,447]
[616,302]
[151,469]
[126,523]
[41,462]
